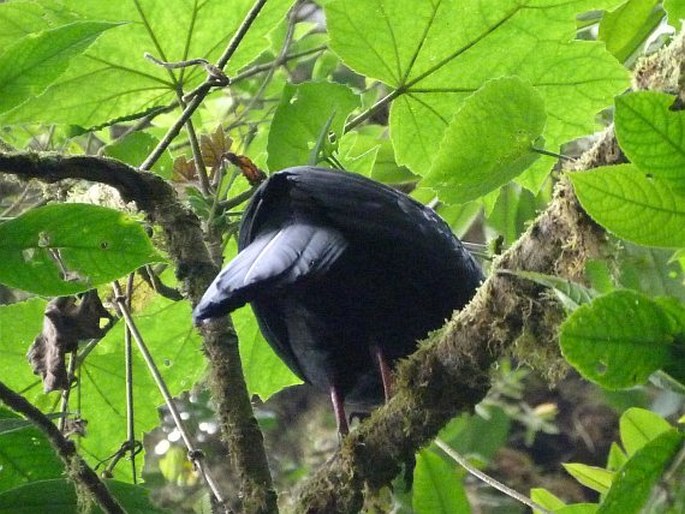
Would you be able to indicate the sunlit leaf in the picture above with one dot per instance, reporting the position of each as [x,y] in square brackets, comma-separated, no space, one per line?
[635,206]
[474,159]
[406,50]
[65,249]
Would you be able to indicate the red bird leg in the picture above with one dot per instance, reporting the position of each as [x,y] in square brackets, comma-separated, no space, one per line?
[384,369]
[339,409]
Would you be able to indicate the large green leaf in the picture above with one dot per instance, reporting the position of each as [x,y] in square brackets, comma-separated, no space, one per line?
[437,488]
[25,454]
[58,496]
[435,54]
[23,17]
[626,28]
[20,323]
[305,115]
[176,347]
[476,157]
[604,348]
[635,206]
[632,486]
[676,12]
[652,135]
[65,249]
[640,426]
[35,61]
[112,79]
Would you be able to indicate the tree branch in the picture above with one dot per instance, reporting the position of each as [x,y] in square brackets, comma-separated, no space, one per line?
[76,467]
[194,267]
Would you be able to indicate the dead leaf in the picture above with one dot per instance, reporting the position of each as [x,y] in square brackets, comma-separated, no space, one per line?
[67,321]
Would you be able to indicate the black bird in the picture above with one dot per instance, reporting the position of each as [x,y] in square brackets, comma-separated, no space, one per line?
[344,276]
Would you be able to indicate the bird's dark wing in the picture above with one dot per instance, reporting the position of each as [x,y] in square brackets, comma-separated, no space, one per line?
[275,258]
[351,203]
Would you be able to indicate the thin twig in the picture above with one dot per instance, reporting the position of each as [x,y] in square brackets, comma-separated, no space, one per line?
[77,468]
[194,454]
[128,364]
[202,92]
[464,463]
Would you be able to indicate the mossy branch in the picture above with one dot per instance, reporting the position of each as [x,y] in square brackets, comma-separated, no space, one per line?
[195,269]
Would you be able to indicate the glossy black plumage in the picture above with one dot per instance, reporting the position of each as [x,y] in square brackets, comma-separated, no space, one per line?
[335,265]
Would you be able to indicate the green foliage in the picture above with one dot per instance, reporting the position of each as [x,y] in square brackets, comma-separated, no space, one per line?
[449,100]
[653,136]
[625,29]
[437,487]
[432,79]
[59,496]
[633,205]
[35,61]
[470,163]
[65,249]
[599,343]
[114,82]
[306,114]
[650,444]
[25,455]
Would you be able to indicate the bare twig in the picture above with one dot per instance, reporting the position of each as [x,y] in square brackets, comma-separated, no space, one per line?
[128,364]
[194,455]
[464,463]
[77,468]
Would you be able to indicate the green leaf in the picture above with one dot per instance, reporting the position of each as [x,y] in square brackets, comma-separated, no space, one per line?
[21,18]
[640,426]
[65,249]
[302,115]
[59,497]
[676,12]
[598,342]
[513,208]
[626,28]
[617,458]
[113,81]
[25,454]
[632,486]
[176,347]
[437,488]
[597,479]
[265,373]
[652,135]
[651,271]
[632,205]
[34,62]
[570,294]
[545,499]
[434,55]
[475,159]
[20,323]
[135,147]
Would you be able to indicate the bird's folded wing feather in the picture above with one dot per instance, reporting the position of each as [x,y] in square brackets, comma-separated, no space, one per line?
[273,259]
